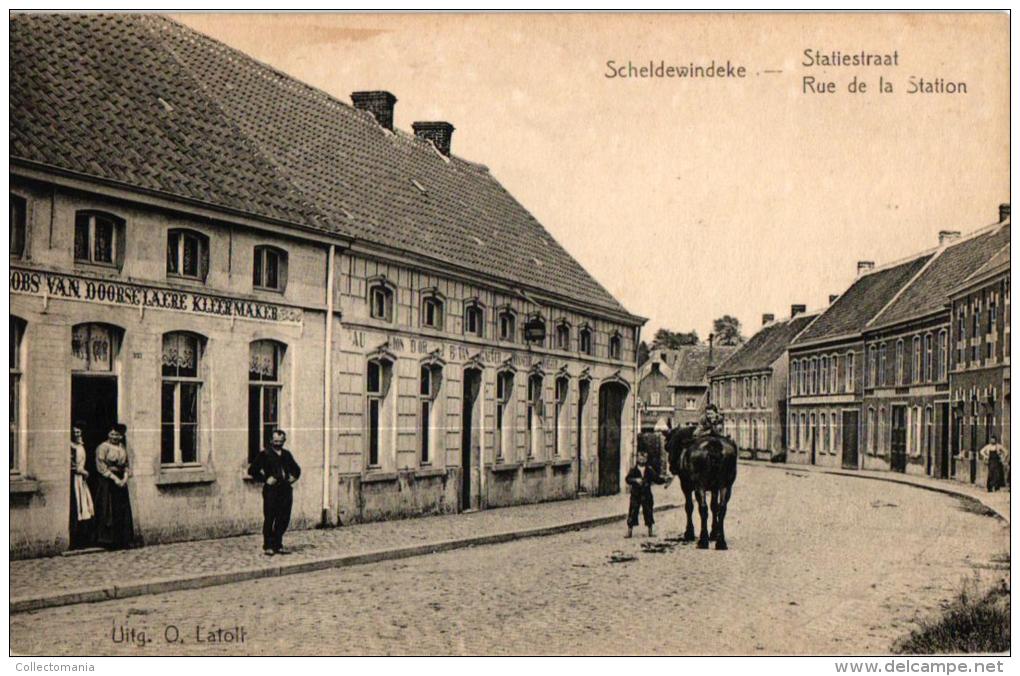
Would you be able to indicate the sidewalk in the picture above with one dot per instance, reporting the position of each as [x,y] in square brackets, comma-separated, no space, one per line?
[998,502]
[99,576]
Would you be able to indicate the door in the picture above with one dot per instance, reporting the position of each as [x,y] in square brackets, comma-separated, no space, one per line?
[611,400]
[813,423]
[944,441]
[958,441]
[94,407]
[898,440]
[973,448]
[850,439]
[469,440]
[582,415]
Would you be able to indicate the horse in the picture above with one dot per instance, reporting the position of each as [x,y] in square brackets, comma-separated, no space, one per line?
[704,464]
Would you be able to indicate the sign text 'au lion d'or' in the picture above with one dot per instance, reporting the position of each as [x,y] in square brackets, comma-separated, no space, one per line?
[67,287]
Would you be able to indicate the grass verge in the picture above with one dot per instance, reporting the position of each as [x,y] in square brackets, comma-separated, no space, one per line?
[973,622]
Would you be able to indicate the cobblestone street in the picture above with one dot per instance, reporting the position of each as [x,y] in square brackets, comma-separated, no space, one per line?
[817,564]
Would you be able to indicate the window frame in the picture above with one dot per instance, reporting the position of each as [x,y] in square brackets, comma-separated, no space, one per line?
[470,307]
[506,319]
[504,406]
[19,226]
[260,257]
[117,230]
[563,335]
[427,411]
[201,241]
[16,396]
[432,299]
[586,335]
[388,294]
[264,384]
[178,382]
[615,348]
[534,415]
[561,410]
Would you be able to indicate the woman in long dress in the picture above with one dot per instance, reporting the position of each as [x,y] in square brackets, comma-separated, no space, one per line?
[995,455]
[82,507]
[115,526]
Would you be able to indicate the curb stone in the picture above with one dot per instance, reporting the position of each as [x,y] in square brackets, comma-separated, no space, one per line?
[162,585]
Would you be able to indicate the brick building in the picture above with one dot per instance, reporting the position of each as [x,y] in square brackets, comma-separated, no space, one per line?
[750,387]
[979,381]
[905,413]
[655,395]
[207,250]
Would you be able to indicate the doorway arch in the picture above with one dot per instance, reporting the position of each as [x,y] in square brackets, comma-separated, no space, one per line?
[612,397]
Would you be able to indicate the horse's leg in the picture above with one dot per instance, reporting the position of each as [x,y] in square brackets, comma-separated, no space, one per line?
[689,508]
[724,498]
[703,513]
[715,519]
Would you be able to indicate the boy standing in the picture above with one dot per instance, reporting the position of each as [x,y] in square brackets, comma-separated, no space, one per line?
[640,479]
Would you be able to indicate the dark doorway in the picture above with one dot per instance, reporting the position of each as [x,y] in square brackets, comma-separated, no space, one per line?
[850,439]
[958,441]
[583,388]
[611,399]
[94,404]
[898,440]
[973,448]
[469,440]
[944,441]
[814,437]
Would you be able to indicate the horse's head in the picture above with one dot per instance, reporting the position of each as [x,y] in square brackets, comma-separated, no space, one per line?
[677,439]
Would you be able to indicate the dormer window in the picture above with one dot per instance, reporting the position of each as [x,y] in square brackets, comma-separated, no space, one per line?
[19,225]
[507,325]
[474,319]
[563,336]
[380,300]
[615,346]
[584,338]
[432,310]
[187,254]
[269,268]
[98,238]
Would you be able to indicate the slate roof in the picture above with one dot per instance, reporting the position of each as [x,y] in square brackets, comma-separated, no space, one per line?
[929,292]
[146,102]
[692,363]
[764,347]
[865,298]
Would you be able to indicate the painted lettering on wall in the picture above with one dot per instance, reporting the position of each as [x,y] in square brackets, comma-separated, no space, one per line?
[67,287]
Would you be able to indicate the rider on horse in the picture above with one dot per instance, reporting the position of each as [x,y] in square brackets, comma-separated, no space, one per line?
[711,424]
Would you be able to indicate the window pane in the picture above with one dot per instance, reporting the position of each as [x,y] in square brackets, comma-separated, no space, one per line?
[173,243]
[426,381]
[180,355]
[103,249]
[425,431]
[190,255]
[374,378]
[254,421]
[264,357]
[373,432]
[14,401]
[270,413]
[272,270]
[17,225]
[81,237]
[257,268]
[166,454]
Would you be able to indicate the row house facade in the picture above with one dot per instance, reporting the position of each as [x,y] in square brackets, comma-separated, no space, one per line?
[427,346]
[751,386]
[906,409]
[979,354]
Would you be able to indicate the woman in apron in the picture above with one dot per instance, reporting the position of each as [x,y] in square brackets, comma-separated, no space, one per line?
[82,508]
[115,526]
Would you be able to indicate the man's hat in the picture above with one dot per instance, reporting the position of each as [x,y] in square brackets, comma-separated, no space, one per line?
[711,407]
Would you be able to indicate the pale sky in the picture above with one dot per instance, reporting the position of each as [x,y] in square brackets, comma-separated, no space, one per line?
[690,199]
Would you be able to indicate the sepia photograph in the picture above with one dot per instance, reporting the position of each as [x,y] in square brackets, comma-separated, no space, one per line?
[510,334]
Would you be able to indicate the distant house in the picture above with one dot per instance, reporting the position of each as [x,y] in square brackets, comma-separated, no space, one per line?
[672,384]
[655,396]
[750,387]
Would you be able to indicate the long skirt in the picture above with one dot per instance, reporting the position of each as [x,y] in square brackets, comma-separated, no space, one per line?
[996,473]
[115,528]
[82,530]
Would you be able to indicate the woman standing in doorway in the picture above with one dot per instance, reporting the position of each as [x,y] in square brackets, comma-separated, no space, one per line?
[82,509]
[115,527]
[995,455]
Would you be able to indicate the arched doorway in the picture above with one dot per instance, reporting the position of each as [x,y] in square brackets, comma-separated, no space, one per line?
[612,396]
[470,443]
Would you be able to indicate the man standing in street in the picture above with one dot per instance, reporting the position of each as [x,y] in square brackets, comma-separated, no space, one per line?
[276,469]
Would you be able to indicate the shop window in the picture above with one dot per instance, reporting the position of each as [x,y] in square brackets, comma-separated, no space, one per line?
[187,254]
[562,388]
[474,319]
[508,326]
[615,347]
[265,388]
[430,380]
[19,225]
[15,396]
[380,301]
[504,397]
[585,344]
[534,415]
[563,336]
[377,384]
[269,268]
[98,238]
[181,397]
[93,348]
[432,311]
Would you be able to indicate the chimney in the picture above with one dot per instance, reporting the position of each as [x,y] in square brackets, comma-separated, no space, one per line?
[946,236]
[766,318]
[797,310]
[1003,212]
[864,266]
[380,104]
[440,133]
[833,297]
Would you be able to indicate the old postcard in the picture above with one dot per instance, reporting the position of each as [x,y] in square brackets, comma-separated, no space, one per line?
[492,334]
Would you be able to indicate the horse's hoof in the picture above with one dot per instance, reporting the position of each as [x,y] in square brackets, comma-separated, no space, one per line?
[721,544]
[689,537]
[702,544]
[713,537]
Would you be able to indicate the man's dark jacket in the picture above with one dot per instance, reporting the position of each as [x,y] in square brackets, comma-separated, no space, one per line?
[282,466]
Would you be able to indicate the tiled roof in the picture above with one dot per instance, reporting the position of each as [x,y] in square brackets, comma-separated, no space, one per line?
[764,347]
[998,262]
[147,102]
[862,301]
[929,292]
[692,363]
